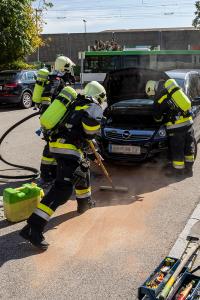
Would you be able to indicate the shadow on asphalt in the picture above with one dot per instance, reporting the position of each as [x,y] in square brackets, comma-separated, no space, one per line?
[13,247]
[9,107]
[139,179]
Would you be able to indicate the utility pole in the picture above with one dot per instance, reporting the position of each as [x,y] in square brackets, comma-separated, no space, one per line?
[84,21]
[36,21]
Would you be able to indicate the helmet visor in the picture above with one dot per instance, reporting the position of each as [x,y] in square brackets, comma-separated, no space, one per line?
[67,67]
[101,97]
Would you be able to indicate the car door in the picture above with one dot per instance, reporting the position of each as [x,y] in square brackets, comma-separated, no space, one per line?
[31,79]
[194,92]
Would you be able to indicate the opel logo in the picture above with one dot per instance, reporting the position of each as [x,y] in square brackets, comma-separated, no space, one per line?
[126,134]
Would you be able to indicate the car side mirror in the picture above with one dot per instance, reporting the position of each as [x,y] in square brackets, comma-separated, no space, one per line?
[196,101]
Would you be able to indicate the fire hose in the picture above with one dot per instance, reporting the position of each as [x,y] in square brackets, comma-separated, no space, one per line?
[35,172]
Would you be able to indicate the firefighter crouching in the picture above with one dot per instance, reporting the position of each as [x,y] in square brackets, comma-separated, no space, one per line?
[47,88]
[173,108]
[71,121]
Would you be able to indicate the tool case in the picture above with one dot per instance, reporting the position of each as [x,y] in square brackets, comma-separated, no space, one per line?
[183,281]
[151,292]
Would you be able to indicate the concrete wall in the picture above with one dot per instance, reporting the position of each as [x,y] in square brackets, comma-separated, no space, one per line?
[71,44]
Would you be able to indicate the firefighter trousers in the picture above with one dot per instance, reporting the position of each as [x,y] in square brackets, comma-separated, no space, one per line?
[48,165]
[182,147]
[61,191]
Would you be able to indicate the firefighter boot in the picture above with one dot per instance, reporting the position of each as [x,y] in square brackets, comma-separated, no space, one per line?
[176,173]
[188,170]
[34,236]
[84,204]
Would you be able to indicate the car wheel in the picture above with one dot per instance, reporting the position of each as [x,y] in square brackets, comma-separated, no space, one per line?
[26,100]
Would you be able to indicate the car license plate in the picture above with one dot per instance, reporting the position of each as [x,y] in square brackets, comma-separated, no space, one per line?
[125,149]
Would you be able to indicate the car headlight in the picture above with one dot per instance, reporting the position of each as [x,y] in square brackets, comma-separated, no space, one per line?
[161,133]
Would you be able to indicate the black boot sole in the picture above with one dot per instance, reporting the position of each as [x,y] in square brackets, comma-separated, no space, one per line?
[25,235]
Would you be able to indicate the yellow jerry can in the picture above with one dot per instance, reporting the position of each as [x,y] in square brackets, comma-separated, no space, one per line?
[19,203]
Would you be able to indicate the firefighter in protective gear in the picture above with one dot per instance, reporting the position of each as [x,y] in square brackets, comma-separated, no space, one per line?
[172,107]
[65,65]
[69,144]
[47,88]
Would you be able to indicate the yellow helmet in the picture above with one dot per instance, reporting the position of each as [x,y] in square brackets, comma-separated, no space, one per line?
[95,90]
[64,64]
[150,88]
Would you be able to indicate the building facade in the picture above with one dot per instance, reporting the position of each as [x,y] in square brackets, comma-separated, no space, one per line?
[70,44]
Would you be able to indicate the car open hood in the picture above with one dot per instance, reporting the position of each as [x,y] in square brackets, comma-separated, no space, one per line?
[125,84]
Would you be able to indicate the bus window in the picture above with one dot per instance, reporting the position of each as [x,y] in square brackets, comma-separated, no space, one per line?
[109,63]
[91,65]
[173,61]
[141,61]
[102,64]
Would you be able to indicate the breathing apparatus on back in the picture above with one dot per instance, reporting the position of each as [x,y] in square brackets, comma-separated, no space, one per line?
[57,110]
[171,91]
[42,79]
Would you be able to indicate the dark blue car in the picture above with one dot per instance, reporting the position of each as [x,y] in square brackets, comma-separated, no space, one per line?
[16,87]
[129,132]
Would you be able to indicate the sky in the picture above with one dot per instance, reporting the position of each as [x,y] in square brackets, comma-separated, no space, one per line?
[72,16]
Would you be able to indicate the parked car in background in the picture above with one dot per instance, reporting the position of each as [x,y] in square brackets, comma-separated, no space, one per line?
[129,132]
[16,87]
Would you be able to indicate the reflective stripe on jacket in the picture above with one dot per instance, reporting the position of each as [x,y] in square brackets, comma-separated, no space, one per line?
[180,122]
[61,147]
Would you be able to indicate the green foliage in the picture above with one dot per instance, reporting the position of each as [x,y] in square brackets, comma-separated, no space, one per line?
[196,21]
[16,65]
[20,29]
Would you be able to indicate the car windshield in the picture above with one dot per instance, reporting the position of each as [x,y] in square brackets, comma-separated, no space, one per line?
[7,76]
[180,82]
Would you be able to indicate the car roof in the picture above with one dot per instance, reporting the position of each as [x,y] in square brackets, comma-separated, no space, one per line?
[182,73]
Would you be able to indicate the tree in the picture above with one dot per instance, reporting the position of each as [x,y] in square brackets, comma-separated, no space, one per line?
[20,29]
[196,21]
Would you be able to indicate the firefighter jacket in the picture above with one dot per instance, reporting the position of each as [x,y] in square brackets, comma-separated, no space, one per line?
[167,112]
[68,77]
[82,123]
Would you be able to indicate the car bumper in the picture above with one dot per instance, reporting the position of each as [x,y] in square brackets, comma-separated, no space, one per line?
[148,149]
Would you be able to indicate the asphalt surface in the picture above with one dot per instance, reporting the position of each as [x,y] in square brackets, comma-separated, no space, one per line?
[109,251]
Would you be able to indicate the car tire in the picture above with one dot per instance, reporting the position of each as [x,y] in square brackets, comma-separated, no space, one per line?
[26,100]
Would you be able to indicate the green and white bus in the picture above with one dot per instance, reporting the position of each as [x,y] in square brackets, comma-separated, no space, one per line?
[95,64]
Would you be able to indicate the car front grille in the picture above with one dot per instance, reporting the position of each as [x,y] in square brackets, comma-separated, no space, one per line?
[128,135]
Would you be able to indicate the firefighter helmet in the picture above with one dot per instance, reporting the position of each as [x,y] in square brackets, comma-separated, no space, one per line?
[95,90]
[150,88]
[64,64]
